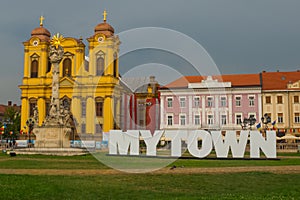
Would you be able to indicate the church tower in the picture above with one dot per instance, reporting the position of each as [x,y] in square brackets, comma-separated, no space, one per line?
[36,88]
[104,67]
[36,67]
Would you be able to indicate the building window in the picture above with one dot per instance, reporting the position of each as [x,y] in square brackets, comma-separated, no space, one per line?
[223,120]
[196,102]
[83,108]
[296,99]
[182,120]
[98,128]
[238,119]
[67,67]
[182,102]
[238,101]
[99,108]
[210,101]
[197,119]
[34,69]
[252,116]
[170,120]
[210,119]
[297,118]
[83,129]
[251,100]
[170,102]
[268,99]
[223,101]
[100,64]
[279,99]
[32,105]
[280,117]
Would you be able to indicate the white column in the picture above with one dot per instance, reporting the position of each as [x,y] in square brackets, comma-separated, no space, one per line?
[259,107]
[162,112]
[217,115]
[230,108]
[203,111]
[190,113]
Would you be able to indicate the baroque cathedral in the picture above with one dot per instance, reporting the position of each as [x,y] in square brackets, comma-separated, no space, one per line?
[91,86]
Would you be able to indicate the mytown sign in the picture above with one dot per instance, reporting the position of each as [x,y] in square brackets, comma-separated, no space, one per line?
[122,142]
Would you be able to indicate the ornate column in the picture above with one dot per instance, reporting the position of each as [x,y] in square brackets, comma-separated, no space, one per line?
[24,111]
[41,103]
[55,55]
[90,116]
[108,113]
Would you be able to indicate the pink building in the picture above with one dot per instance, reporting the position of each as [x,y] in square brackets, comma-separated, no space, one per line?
[210,102]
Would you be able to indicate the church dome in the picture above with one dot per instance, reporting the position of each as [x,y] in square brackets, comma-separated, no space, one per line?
[105,29]
[41,33]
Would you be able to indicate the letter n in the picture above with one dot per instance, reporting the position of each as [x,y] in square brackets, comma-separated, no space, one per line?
[268,145]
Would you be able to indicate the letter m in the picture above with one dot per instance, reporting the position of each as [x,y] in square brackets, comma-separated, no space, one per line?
[121,141]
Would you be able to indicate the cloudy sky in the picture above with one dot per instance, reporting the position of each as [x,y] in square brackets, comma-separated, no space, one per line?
[240,36]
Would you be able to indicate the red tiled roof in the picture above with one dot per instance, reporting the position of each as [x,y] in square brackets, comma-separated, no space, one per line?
[237,80]
[279,80]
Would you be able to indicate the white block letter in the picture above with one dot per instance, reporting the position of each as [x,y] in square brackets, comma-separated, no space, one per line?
[230,140]
[121,141]
[193,143]
[268,146]
[151,141]
[176,138]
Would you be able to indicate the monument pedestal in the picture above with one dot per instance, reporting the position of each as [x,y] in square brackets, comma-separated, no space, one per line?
[52,137]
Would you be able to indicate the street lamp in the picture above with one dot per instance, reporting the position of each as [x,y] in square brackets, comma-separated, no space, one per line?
[244,123]
[248,122]
[30,123]
[266,119]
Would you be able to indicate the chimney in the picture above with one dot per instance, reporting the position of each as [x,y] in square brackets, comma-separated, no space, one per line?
[152,79]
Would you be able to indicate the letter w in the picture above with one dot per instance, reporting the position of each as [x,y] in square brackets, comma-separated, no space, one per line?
[230,140]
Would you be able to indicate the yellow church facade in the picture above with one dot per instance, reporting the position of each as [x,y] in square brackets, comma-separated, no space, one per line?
[91,86]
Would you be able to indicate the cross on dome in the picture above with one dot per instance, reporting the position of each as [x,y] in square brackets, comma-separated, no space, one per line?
[104,15]
[41,20]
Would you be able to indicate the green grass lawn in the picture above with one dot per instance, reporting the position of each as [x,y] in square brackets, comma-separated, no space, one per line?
[90,162]
[150,186]
[250,185]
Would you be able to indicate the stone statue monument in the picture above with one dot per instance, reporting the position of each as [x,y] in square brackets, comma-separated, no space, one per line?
[56,128]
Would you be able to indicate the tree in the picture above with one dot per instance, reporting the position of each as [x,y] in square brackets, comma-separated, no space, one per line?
[12,118]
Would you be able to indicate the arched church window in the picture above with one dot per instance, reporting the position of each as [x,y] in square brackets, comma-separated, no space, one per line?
[49,66]
[66,102]
[99,107]
[67,67]
[100,64]
[32,105]
[86,65]
[34,69]
[115,65]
